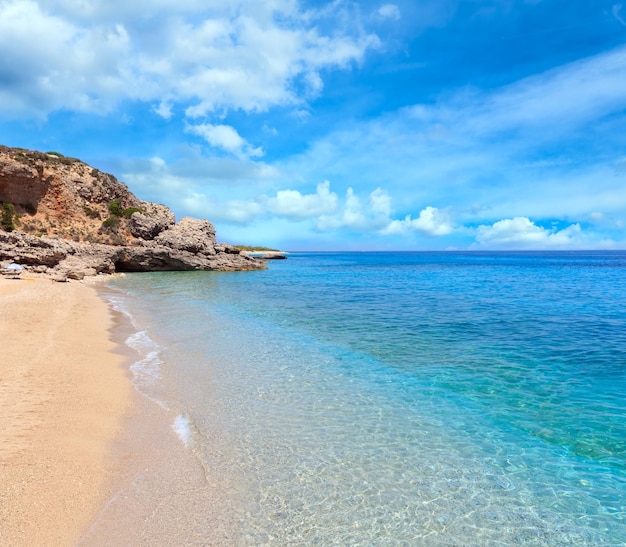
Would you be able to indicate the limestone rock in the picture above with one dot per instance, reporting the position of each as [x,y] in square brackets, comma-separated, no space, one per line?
[74,221]
[26,249]
[191,235]
[153,220]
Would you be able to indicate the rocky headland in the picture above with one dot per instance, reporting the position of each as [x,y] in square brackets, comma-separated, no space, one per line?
[66,220]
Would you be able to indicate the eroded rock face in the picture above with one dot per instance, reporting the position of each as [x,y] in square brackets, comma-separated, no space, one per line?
[63,259]
[30,250]
[75,221]
[154,219]
[191,235]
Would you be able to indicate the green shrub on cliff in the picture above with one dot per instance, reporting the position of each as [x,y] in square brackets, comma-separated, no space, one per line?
[111,222]
[8,219]
[115,208]
[91,213]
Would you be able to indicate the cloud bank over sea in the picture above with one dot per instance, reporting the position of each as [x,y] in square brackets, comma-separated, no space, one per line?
[344,125]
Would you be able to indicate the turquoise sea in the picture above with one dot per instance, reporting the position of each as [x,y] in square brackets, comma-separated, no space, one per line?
[391,398]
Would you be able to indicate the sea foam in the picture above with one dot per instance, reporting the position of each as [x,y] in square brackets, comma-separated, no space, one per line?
[182,428]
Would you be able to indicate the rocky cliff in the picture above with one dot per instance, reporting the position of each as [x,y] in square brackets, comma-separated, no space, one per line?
[66,219]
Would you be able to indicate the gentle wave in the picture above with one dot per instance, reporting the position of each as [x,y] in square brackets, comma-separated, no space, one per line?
[146,370]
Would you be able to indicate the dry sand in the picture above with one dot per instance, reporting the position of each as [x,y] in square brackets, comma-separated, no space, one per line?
[64,392]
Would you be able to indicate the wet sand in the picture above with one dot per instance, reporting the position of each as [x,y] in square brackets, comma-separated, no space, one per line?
[64,395]
[161,492]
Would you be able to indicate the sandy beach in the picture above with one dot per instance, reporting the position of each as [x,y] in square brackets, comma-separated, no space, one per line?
[64,393]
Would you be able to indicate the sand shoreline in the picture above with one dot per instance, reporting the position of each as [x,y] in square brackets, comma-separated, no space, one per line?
[153,493]
[64,394]
[86,458]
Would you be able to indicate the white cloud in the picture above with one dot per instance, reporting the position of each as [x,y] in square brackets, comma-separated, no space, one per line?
[234,211]
[187,191]
[188,187]
[157,162]
[553,101]
[604,221]
[431,221]
[226,138]
[522,233]
[164,109]
[531,113]
[207,56]
[357,217]
[328,213]
[301,114]
[293,204]
[389,11]
[531,149]
[350,216]
[380,203]
[48,62]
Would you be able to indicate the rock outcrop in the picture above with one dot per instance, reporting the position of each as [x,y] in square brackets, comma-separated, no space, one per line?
[63,218]
[152,221]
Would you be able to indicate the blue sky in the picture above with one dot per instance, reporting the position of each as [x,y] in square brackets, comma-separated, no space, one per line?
[304,125]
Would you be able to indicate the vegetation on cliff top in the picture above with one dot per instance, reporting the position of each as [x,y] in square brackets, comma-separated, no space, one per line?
[31,157]
[253,248]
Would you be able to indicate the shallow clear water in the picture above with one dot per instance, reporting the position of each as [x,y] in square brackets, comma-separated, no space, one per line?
[399,398]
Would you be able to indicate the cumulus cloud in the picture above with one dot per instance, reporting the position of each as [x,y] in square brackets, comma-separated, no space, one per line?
[380,203]
[293,204]
[431,221]
[322,210]
[326,211]
[389,11]
[522,233]
[225,138]
[164,109]
[66,66]
[207,56]
[350,216]
[521,150]
[376,217]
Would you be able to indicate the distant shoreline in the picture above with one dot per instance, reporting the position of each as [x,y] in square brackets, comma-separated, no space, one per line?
[265,255]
